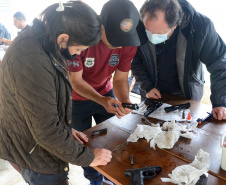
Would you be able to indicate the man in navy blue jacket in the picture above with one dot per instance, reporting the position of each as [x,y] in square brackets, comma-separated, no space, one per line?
[175,41]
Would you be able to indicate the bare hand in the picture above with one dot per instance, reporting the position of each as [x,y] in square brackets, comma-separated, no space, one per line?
[113,106]
[154,93]
[219,113]
[79,136]
[4,41]
[102,157]
[124,111]
[0,61]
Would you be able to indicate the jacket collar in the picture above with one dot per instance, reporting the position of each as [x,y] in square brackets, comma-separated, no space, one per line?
[63,71]
[189,11]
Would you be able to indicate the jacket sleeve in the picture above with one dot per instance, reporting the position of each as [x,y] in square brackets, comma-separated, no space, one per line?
[35,92]
[141,73]
[213,54]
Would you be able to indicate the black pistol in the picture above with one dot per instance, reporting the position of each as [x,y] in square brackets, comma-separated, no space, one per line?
[96,132]
[201,121]
[175,107]
[152,106]
[130,106]
[138,175]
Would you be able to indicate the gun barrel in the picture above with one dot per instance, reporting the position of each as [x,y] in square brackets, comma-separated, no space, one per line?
[175,107]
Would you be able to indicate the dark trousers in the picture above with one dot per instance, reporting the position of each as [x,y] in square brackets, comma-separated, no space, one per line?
[82,112]
[33,178]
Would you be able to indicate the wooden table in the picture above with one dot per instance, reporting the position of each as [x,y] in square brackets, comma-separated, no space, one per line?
[206,137]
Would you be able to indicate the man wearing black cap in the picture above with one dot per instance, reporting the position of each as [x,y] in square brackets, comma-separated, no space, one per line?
[90,73]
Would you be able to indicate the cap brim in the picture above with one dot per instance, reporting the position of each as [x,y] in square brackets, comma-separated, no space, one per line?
[125,39]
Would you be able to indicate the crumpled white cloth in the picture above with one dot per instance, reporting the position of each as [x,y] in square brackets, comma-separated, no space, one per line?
[171,132]
[161,114]
[187,135]
[190,174]
[168,137]
[164,137]
[144,131]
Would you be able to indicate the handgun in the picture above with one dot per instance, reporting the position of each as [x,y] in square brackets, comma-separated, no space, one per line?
[152,106]
[96,132]
[201,121]
[175,107]
[130,106]
[139,174]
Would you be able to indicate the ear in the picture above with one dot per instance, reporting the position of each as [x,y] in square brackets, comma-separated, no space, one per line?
[62,40]
[103,34]
[174,27]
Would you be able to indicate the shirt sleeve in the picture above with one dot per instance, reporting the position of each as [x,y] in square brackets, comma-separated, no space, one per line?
[126,58]
[76,64]
[7,34]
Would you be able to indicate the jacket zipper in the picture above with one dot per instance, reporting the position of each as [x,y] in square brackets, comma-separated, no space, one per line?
[32,150]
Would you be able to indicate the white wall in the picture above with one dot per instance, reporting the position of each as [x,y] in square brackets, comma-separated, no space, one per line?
[31,8]
[215,10]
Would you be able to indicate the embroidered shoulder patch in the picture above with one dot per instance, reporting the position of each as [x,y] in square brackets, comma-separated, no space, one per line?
[89,62]
[114,60]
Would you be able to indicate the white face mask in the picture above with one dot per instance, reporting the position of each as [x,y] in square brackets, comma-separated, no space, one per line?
[156,38]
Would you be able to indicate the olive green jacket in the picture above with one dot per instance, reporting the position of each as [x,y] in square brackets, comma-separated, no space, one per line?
[35,110]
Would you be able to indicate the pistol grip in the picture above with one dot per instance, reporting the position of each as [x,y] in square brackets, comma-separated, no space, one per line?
[135,178]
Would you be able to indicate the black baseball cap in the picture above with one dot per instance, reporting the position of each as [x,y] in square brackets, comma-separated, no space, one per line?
[120,19]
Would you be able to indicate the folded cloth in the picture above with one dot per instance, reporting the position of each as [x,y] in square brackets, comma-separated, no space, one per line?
[161,114]
[190,174]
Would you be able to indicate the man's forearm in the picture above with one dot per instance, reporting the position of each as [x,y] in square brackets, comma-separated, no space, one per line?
[121,90]
[87,91]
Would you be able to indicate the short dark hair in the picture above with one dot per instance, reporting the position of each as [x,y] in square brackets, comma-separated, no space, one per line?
[172,9]
[78,20]
[19,16]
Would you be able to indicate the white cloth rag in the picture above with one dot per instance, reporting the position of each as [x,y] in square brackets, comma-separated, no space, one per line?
[144,131]
[190,174]
[164,137]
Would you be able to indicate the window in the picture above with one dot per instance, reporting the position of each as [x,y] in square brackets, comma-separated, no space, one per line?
[213,9]
[4,11]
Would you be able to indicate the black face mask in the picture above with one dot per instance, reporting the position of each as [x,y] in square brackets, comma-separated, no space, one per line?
[65,53]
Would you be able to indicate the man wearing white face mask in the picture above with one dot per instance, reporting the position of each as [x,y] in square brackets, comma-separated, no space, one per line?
[157,38]
[175,41]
